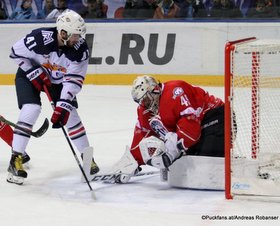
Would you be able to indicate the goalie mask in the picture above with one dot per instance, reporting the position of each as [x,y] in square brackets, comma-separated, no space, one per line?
[146,92]
[71,23]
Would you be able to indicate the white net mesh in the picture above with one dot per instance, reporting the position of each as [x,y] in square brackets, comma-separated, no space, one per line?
[255,94]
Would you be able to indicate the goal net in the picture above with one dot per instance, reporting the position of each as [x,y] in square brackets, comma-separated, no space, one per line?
[252,118]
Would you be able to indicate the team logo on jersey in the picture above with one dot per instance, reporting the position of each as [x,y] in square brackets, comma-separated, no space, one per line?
[47,37]
[79,43]
[178,91]
[56,71]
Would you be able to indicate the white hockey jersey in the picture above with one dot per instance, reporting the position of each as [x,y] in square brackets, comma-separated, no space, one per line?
[65,65]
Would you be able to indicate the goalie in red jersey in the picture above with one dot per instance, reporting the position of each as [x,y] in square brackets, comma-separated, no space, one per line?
[174,118]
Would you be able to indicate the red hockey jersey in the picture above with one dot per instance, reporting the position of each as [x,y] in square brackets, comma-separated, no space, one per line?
[181,109]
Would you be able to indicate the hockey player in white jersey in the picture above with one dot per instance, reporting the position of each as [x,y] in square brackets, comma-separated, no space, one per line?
[57,58]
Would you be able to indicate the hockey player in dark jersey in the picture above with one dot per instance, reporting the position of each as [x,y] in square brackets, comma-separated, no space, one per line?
[56,58]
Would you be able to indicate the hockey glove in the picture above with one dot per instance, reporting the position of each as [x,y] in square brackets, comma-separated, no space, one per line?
[61,113]
[174,147]
[38,78]
[170,141]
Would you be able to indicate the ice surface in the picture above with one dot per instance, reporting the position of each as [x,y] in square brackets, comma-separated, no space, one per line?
[54,196]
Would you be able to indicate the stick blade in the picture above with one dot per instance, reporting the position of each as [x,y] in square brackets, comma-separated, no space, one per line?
[40,132]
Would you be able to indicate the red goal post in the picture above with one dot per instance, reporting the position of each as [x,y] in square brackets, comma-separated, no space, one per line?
[252,119]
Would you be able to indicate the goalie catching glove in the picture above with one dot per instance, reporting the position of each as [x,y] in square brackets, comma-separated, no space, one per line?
[38,78]
[167,151]
[61,113]
[160,154]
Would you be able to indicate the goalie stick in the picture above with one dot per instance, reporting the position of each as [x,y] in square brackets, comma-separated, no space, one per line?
[37,133]
[112,178]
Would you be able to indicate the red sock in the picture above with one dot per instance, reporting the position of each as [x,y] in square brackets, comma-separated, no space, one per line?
[6,133]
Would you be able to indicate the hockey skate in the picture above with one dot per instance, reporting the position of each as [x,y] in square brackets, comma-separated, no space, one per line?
[25,158]
[25,161]
[16,173]
[93,167]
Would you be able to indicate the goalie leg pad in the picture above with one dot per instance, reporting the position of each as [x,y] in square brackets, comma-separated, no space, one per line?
[197,172]
[127,166]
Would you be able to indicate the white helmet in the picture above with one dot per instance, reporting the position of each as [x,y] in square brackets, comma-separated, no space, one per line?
[71,22]
[146,91]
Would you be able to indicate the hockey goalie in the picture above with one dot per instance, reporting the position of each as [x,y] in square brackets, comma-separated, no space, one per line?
[180,127]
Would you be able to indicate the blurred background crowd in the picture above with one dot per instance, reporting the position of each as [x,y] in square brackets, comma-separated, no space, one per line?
[140,9]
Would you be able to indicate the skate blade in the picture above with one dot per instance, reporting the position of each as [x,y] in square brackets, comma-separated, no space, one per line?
[15,179]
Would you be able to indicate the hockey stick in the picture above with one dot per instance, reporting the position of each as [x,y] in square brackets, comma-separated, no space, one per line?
[70,144]
[37,133]
[146,173]
[116,176]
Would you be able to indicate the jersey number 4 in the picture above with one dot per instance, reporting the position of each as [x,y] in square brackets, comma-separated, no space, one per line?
[185,100]
[30,42]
